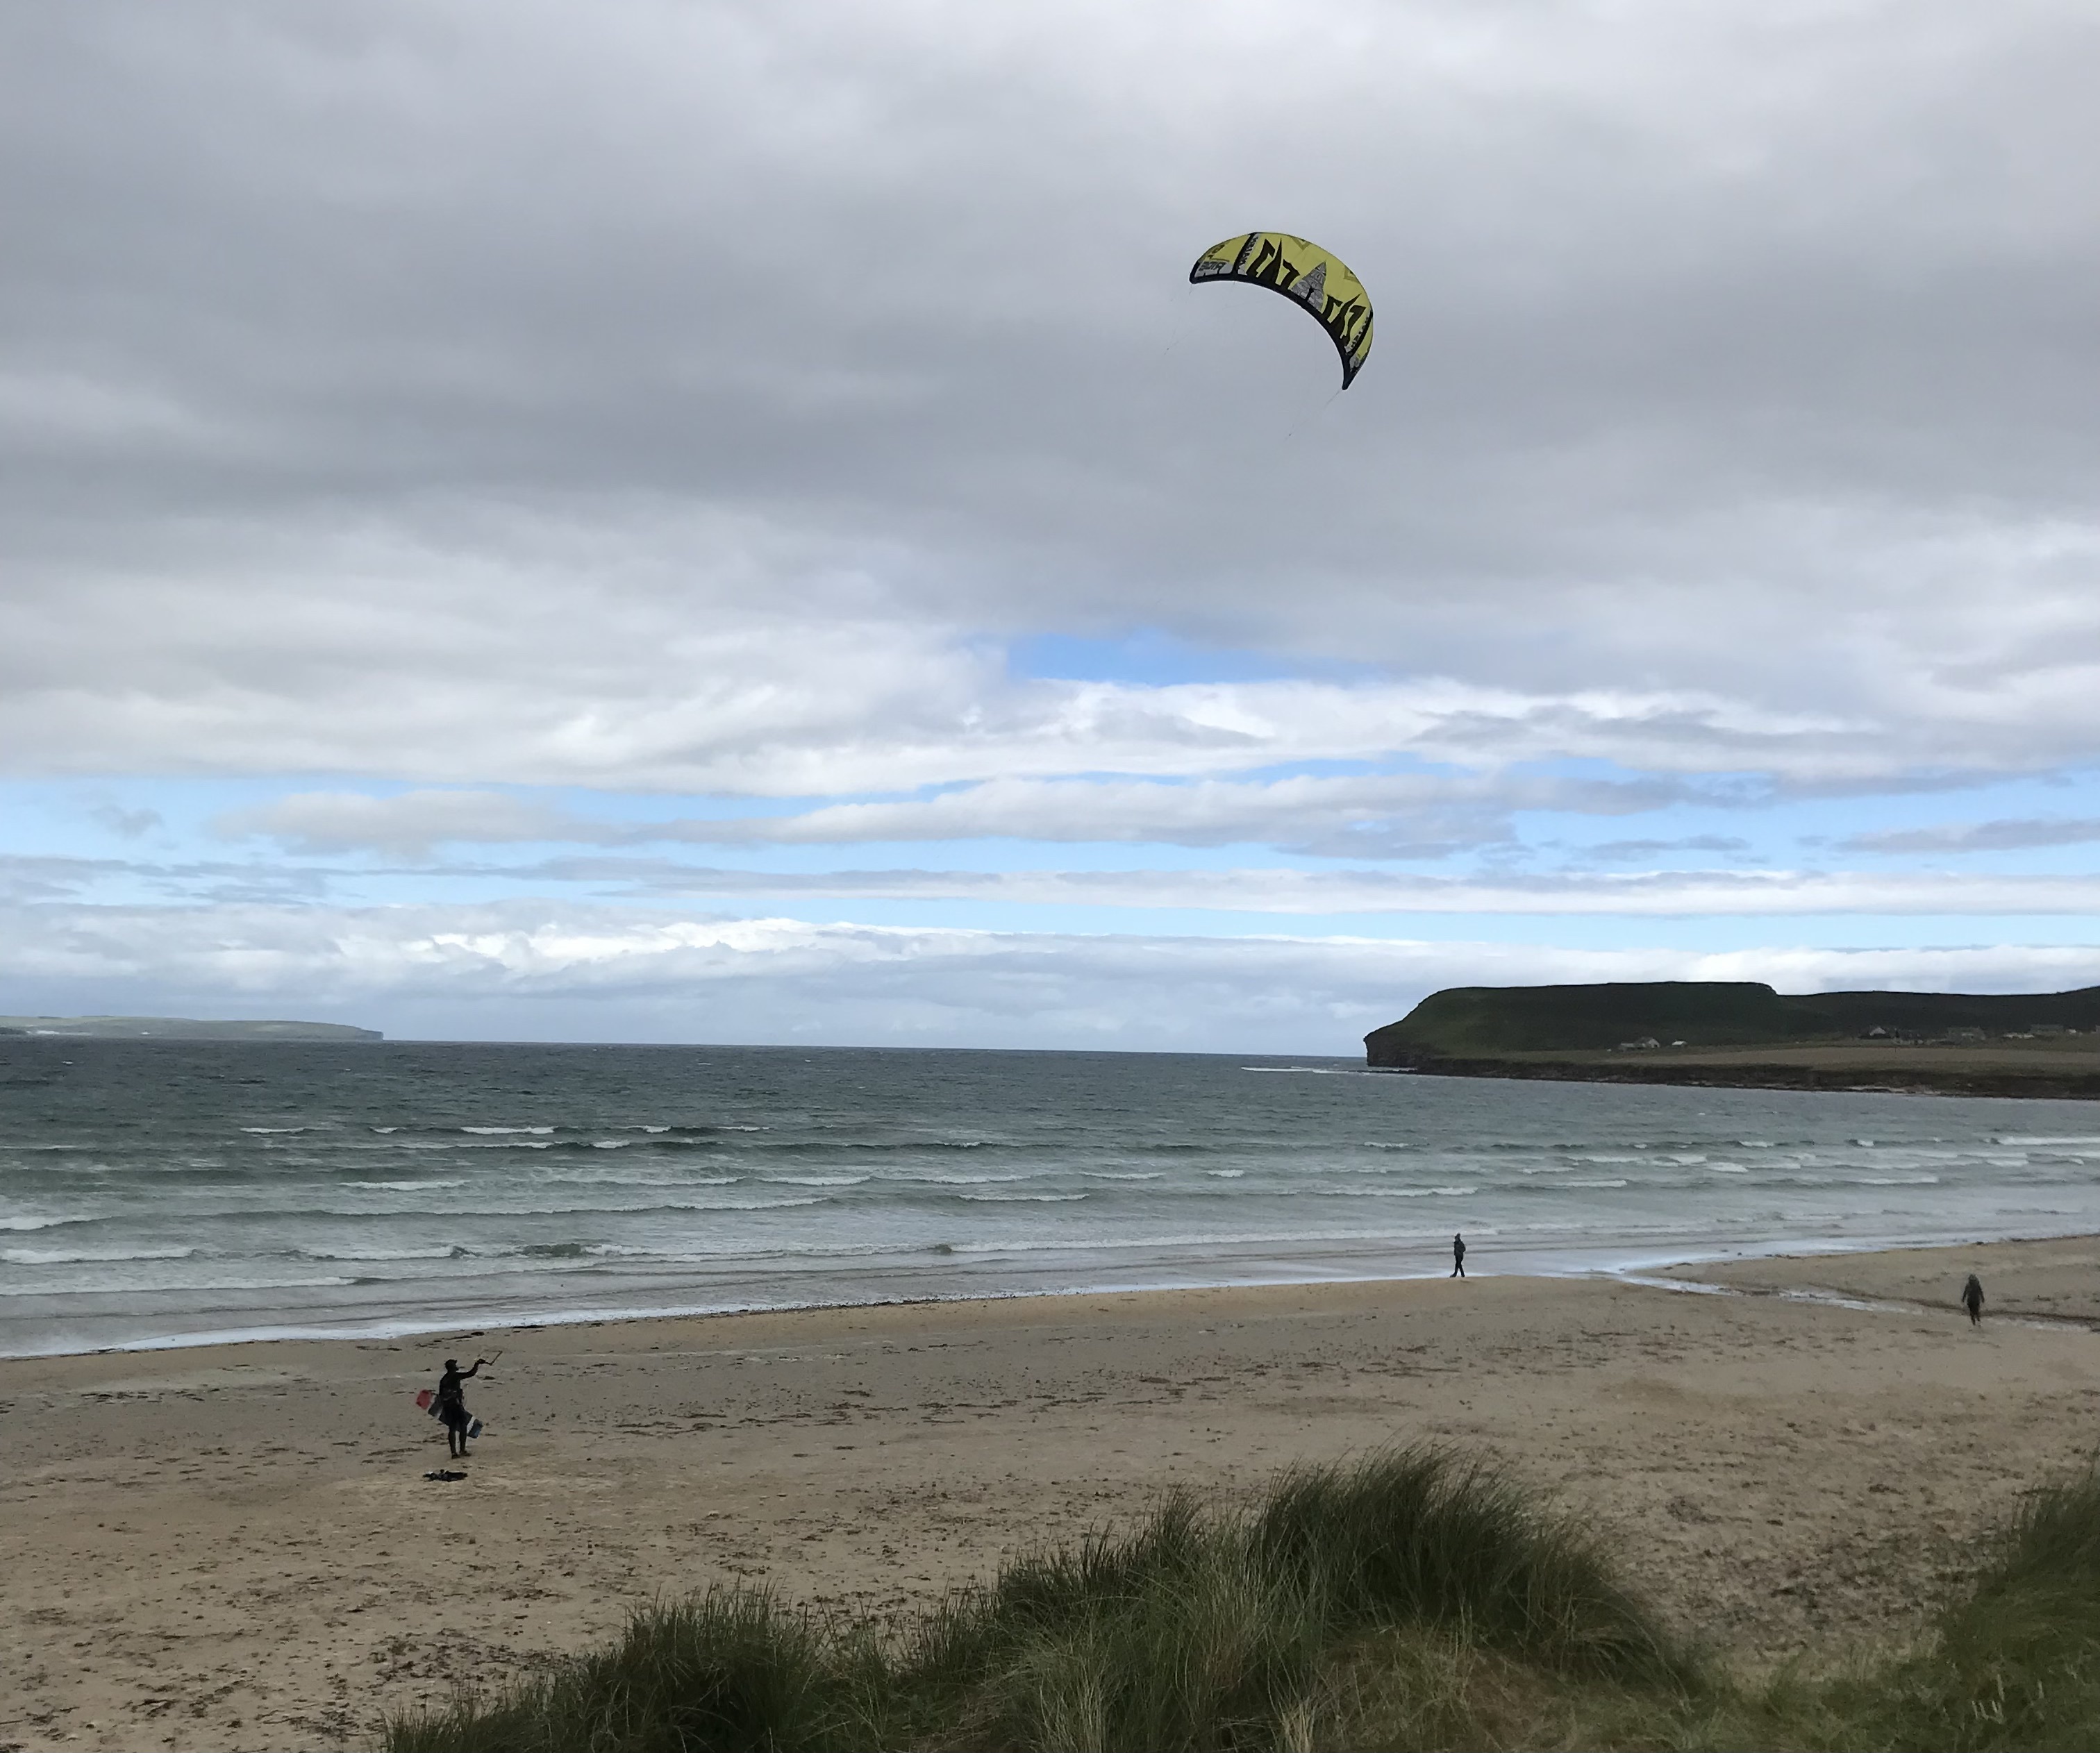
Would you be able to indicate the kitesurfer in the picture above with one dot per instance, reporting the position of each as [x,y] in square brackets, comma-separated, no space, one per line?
[452,1405]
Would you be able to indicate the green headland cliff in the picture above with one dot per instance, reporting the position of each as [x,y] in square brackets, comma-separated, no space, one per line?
[1742,1033]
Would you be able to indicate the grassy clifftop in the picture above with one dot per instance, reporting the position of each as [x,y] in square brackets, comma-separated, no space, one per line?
[1484,1022]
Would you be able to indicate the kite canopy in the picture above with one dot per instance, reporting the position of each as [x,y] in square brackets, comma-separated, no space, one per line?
[1303,271]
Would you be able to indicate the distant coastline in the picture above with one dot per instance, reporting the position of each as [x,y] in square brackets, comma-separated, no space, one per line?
[1743,1035]
[179,1029]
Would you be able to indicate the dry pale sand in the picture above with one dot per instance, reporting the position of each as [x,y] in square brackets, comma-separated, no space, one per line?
[235,1547]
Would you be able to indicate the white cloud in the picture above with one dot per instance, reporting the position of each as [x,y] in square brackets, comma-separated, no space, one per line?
[1663,894]
[536,971]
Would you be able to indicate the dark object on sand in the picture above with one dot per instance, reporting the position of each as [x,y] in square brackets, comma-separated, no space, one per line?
[1972,1299]
[1457,1257]
[445,1474]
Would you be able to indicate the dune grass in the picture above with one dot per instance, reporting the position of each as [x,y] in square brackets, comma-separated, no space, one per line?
[1228,1630]
[1409,1600]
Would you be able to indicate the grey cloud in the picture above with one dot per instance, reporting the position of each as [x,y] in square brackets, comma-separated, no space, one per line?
[1613,851]
[27,877]
[2009,835]
[406,824]
[34,877]
[1697,328]
[1664,894]
[127,824]
[1375,816]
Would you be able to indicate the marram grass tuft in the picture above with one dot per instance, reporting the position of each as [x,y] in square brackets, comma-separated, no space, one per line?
[1409,1600]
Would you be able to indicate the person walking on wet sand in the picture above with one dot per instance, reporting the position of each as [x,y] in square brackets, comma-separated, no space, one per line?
[1457,1257]
[452,1405]
[1972,1299]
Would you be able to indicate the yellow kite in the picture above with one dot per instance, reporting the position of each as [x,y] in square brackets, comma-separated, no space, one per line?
[1303,271]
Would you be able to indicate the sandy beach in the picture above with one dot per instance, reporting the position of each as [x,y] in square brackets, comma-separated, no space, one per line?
[235,1547]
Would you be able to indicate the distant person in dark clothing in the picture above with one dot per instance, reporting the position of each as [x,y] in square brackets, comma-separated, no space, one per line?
[452,1405]
[1972,1299]
[1457,1257]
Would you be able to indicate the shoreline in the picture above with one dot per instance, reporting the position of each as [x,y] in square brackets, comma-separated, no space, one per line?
[1622,1262]
[237,1547]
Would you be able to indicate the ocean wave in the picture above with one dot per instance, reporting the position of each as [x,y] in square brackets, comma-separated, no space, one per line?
[1395,1192]
[40,1223]
[815,1180]
[1111,1174]
[278,1131]
[1225,1174]
[490,1132]
[614,1183]
[354,1254]
[1023,1199]
[404,1186]
[89,1256]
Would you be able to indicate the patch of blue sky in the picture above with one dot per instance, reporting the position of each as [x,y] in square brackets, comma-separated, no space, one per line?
[1150,656]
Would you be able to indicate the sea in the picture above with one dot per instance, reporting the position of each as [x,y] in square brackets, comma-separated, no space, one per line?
[160,1193]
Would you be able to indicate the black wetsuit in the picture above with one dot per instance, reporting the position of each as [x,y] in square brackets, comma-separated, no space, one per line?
[451,1398]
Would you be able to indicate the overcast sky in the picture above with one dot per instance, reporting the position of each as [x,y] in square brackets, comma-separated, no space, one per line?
[677,519]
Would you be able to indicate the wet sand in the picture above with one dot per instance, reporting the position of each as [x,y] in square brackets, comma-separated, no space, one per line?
[235,1547]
